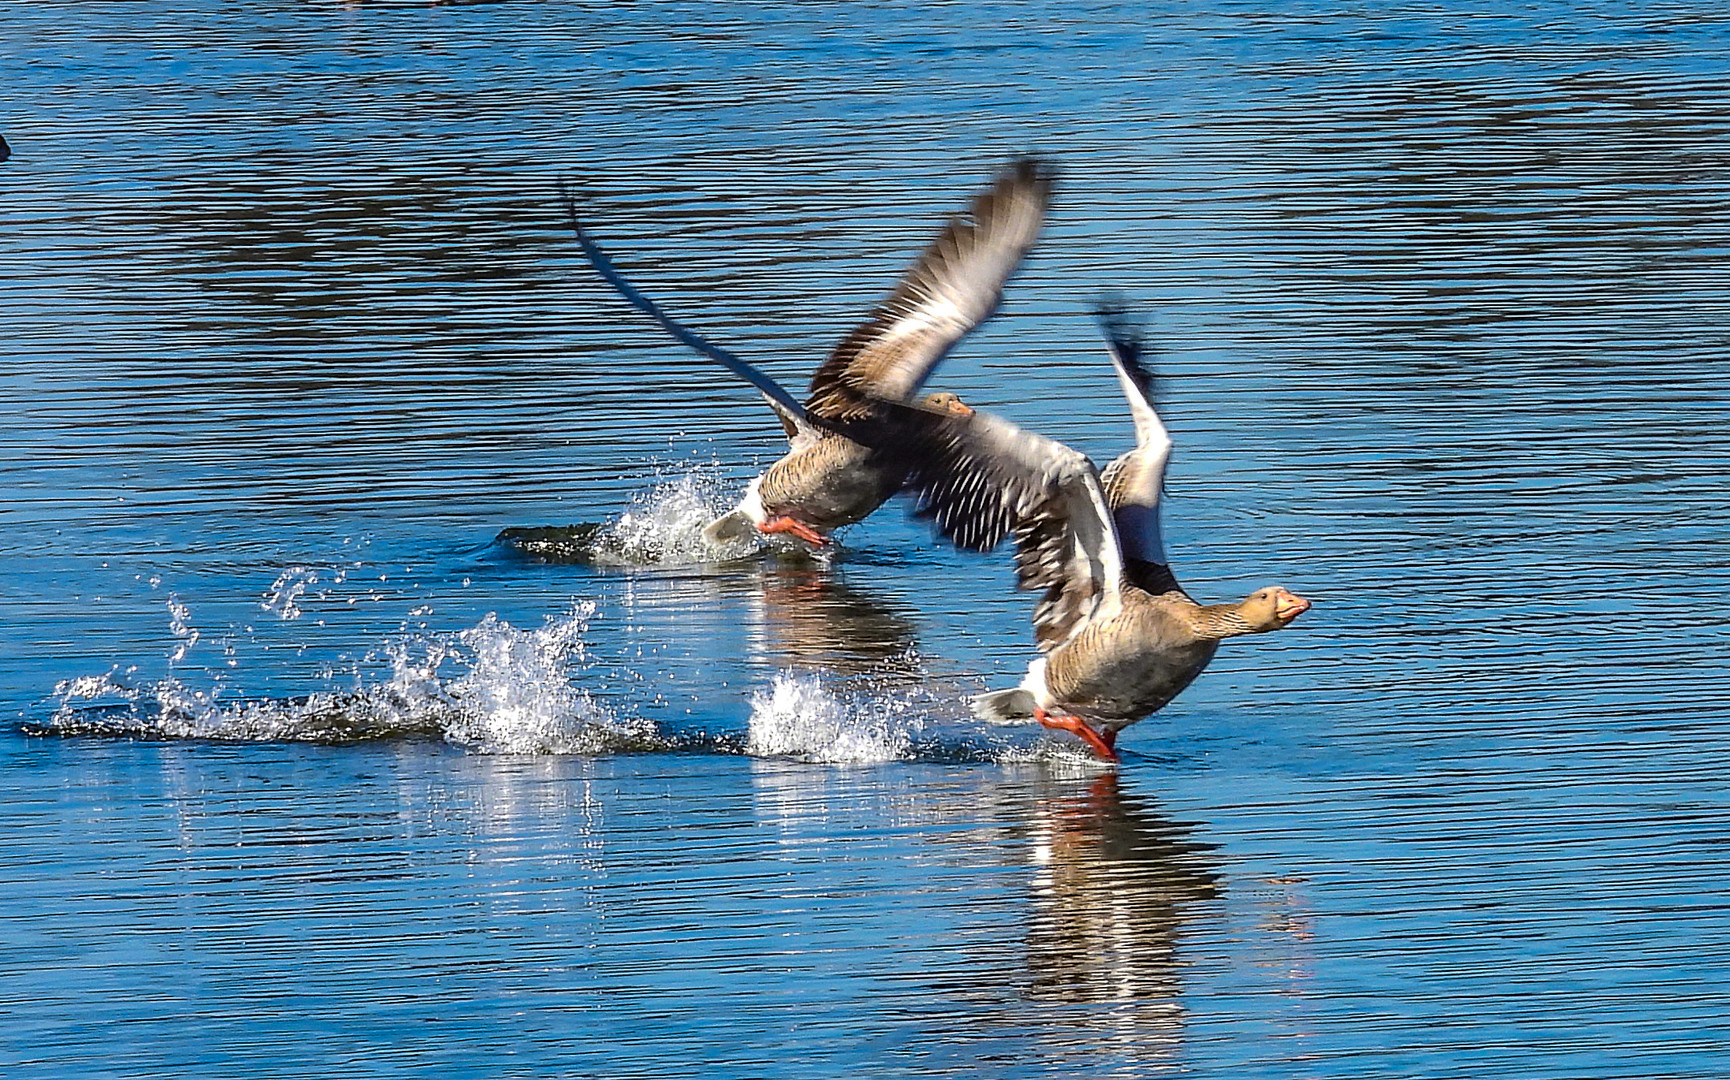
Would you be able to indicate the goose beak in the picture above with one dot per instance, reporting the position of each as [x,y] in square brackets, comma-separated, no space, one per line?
[960,409]
[1290,606]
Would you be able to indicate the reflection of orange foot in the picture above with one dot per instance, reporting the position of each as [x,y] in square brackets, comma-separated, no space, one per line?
[1104,743]
[797,528]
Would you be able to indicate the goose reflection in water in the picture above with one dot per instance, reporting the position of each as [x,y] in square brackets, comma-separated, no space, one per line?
[807,617]
[1114,883]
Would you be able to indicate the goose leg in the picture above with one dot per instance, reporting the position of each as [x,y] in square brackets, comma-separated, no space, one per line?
[797,528]
[1104,743]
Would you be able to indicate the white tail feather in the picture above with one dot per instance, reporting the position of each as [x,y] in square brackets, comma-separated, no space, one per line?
[729,527]
[1004,706]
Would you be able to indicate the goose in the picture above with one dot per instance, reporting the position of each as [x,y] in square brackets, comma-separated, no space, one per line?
[827,480]
[1119,637]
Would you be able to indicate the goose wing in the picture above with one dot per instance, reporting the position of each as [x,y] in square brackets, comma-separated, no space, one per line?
[954,286]
[1133,482]
[981,478]
[794,419]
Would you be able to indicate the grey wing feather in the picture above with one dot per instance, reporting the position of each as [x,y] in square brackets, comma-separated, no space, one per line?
[791,413]
[981,478]
[954,286]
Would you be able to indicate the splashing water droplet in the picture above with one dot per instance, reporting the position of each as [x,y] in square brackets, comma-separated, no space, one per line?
[180,625]
[281,599]
[799,717]
[665,525]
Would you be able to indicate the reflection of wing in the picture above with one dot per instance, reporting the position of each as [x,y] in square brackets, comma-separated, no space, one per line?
[787,408]
[953,287]
[1132,482]
[810,619]
[980,477]
[1116,880]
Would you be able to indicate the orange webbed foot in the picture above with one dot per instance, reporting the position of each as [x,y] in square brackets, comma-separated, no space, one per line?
[1104,743]
[797,528]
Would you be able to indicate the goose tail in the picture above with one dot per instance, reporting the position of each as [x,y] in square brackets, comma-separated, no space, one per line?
[1010,706]
[727,528]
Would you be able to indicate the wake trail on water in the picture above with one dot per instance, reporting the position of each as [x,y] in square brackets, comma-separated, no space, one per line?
[491,688]
[661,527]
[494,688]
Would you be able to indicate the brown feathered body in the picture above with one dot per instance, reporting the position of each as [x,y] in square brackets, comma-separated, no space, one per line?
[828,483]
[1116,671]
[1119,635]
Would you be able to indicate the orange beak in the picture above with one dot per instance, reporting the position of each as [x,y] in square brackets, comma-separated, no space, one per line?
[1290,606]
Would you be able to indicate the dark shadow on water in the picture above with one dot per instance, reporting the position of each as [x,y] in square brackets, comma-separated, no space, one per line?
[553,544]
[599,544]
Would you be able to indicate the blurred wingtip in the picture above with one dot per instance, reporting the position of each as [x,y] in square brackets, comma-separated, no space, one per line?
[1126,336]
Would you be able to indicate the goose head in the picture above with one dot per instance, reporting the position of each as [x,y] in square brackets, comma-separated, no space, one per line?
[1271,608]
[944,401]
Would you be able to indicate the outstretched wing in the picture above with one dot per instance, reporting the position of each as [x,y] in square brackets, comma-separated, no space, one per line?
[1133,482]
[953,287]
[980,478]
[793,417]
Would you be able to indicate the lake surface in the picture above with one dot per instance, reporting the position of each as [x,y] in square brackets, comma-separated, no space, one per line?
[303,773]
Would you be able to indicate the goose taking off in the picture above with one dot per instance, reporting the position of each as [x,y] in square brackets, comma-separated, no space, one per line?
[827,480]
[1120,637]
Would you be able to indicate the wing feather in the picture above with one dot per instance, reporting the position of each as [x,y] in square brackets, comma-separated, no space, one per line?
[1134,481]
[981,478]
[793,416]
[954,286]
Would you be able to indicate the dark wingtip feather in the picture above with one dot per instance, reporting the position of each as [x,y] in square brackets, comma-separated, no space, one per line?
[1126,337]
[1034,168]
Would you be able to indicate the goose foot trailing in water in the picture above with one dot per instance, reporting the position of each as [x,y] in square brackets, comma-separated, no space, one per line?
[1104,742]
[783,524]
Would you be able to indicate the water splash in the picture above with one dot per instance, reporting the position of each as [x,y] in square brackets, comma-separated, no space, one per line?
[491,688]
[664,526]
[515,696]
[798,716]
[283,597]
[180,625]
[807,716]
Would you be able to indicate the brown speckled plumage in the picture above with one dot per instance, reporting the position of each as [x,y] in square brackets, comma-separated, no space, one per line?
[1116,671]
[830,482]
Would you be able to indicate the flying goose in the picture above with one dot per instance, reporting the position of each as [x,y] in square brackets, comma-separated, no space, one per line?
[827,480]
[1119,635]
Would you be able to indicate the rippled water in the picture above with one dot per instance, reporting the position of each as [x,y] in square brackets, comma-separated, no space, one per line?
[306,772]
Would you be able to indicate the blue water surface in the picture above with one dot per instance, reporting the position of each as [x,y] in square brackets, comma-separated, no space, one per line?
[302,772]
